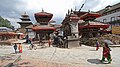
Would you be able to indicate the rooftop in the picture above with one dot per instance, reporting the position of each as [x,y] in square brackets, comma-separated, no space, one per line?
[2,29]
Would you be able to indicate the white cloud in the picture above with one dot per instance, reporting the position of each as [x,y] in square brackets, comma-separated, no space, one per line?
[103,3]
[58,7]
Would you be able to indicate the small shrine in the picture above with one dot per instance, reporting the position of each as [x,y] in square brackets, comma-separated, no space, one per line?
[70,28]
[70,24]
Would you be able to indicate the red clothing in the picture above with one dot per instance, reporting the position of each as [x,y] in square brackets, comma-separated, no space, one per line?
[106,52]
[20,48]
[49,42]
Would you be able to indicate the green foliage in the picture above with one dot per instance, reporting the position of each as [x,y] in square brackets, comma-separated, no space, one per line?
[5,23]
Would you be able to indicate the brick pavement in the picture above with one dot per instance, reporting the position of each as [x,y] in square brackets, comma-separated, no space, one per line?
[83,56]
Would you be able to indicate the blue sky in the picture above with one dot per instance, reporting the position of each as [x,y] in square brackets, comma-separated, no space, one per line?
[12,9]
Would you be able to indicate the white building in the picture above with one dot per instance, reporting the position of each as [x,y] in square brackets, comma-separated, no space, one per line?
[110,15]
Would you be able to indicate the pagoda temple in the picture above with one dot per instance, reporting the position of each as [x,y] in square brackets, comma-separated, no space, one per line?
[91,28]
[25,21]
[42,28]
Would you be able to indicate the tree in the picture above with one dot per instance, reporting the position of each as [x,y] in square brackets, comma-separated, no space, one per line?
[5,23]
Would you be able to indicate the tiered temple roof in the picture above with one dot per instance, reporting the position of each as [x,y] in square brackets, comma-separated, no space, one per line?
[43,17]
[25,20]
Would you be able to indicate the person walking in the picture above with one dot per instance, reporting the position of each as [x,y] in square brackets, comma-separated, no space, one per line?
[106,53]
[15,47]
[49,42]
[20,48]
[27,38]
[56,39]
[97,45]
[31,44]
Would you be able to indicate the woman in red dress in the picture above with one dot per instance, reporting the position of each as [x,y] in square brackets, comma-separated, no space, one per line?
[106,53]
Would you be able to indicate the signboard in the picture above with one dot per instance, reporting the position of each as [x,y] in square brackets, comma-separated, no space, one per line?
[116,29]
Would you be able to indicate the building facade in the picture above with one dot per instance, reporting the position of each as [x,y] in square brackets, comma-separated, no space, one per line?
[110,15]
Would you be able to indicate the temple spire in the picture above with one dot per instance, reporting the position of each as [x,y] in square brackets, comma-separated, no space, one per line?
[68,11]
[25,13]
[71,10]
[75,8]
[42,10]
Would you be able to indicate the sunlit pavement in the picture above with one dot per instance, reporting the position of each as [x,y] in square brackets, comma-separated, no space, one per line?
[83,56]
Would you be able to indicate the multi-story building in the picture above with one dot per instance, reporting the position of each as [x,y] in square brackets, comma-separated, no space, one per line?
[110,15]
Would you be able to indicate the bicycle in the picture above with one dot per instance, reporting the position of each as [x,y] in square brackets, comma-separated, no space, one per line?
[32,47]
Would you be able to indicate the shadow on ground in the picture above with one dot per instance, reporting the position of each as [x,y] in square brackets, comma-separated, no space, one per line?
[14,52]
[94,61]
[92,50]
